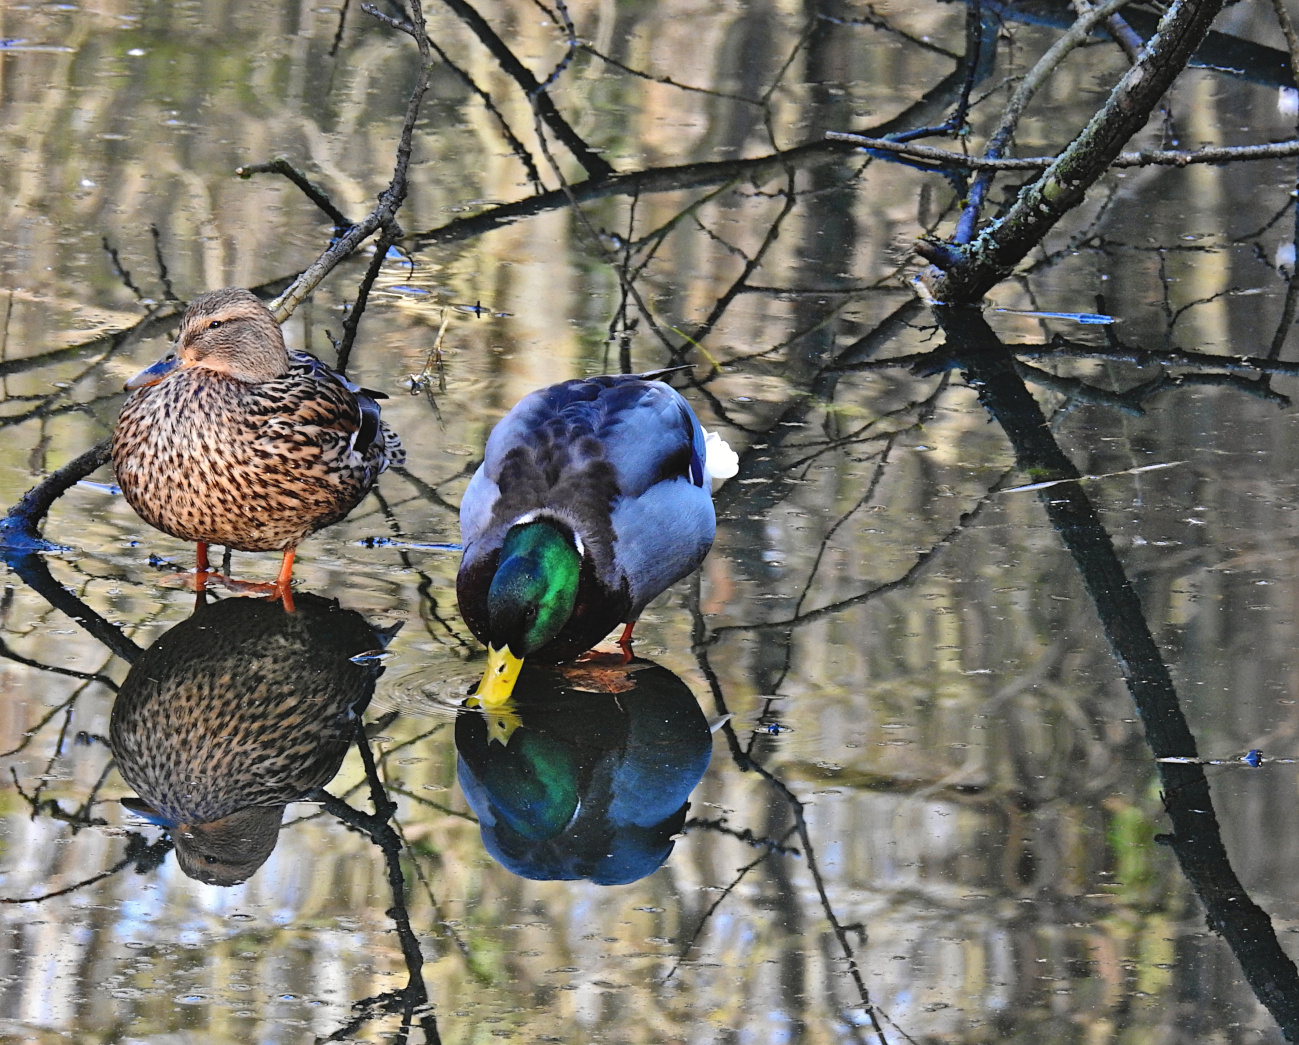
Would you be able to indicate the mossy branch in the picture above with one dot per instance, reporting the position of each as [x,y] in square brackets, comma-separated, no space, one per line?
[966,273]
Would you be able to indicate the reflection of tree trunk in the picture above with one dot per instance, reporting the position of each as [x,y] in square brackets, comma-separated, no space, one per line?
[792,931]
[1196,839]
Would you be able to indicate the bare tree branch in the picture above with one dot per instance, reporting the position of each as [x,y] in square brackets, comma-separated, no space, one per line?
[390,200]
[1142,158]
[968,272]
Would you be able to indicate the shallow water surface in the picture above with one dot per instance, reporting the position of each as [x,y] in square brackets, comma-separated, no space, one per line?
[938,668]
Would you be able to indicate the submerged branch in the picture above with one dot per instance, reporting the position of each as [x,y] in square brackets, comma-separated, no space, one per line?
[18,529]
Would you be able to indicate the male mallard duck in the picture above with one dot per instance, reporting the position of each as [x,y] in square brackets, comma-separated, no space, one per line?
[234,440]
[593,497]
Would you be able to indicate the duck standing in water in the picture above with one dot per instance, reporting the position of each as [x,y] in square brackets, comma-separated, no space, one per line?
[234,440]
[593,497]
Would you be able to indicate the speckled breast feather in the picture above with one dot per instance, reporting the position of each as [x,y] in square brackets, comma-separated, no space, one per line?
[255,467]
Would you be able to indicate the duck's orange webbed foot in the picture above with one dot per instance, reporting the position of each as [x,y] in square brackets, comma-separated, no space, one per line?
[270,590]
[601,657]
[281,588]
[204,576]
[199,579]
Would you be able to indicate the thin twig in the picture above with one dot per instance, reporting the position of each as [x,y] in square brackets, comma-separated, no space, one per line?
[138,852]
[666,80]
[712,909]
[922,562]
[570,45]
[387,238]
[120,269]
[512,139]
[168,292]
[338,33]
[390,200]
[312,191]
[1120,32]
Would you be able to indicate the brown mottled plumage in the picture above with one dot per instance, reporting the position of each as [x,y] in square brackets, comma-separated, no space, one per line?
[234,440]
[234,713]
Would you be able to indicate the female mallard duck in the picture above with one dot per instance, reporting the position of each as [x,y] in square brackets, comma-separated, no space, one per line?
[233,440]
[236,712]
[593,497]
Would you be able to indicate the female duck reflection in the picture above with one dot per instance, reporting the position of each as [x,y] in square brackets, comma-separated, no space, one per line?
[236,712]
[570,784]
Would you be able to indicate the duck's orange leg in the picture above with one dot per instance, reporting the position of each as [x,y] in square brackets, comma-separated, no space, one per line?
[201,565]
[280,589]
[607,658]
[197,580]
[285,578]
[624,642]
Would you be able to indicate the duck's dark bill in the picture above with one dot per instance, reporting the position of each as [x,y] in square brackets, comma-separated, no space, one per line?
[152,375]
[142,808]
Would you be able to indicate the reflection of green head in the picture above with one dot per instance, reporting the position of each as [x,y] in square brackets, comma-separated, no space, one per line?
[535,587]
[534,784]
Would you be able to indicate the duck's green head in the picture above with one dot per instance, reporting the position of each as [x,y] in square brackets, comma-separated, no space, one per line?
[531,598]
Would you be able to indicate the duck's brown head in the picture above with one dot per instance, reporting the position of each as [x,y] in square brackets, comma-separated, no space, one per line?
[227,331]
[229,850]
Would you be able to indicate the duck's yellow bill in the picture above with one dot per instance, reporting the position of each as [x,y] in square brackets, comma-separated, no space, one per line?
[499,678]
[501,726]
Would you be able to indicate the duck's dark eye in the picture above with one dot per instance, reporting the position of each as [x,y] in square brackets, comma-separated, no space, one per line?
[214,325]
[210,859]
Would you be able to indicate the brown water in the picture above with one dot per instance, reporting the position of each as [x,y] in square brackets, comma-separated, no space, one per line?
[934,803]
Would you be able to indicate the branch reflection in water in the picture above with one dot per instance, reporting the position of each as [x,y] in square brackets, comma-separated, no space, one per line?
[1196,840]
[236,712]
[588,775]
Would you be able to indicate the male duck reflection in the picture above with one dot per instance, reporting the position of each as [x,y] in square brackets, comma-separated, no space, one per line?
[586,786]
[593,497]
[233,440]
[236,712]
